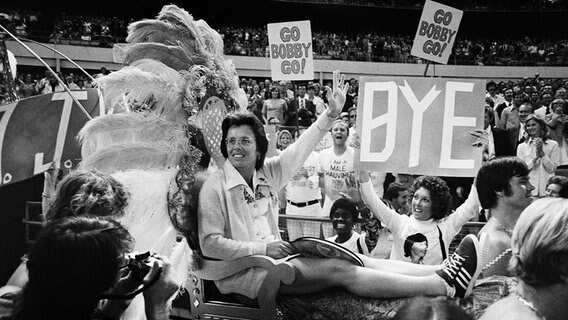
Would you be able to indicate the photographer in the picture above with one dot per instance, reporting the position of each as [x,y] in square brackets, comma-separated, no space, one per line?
[77,261]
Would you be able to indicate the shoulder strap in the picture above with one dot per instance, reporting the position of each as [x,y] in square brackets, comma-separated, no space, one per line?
[359,247]
[442,245]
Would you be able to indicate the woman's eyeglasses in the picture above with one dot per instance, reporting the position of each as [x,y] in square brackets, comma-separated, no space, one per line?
[244,141]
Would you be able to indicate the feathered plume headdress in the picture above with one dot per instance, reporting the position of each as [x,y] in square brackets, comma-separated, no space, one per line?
[175,82]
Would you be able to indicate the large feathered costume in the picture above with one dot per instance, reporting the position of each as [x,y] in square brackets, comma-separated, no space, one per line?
[164,112]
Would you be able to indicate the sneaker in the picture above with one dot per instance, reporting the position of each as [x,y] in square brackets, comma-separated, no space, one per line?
[461,270]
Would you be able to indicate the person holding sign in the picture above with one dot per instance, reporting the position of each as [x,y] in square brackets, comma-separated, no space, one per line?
[237,218]
[429,216]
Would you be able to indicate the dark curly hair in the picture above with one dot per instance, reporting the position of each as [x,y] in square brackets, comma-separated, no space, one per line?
[346,204]
[439,194]
[94,192]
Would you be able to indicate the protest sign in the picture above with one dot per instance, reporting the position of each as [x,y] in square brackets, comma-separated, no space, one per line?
[39,132]
[436,32]
[419,125]
[291,55]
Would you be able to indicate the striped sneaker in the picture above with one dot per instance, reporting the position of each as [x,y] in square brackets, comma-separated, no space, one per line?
[461,270]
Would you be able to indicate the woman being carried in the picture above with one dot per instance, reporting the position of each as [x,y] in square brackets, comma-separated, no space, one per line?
[237,218]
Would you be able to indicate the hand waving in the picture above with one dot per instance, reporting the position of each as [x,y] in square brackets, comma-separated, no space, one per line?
[336,96]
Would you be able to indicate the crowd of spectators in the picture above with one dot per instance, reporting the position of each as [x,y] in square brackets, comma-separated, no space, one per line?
[396,48]
[463,5]
[352,46]
[105,30]
[373,46]
[19,21]
[31,84]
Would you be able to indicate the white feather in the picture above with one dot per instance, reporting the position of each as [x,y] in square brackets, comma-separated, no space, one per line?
[108,130]
[130,86]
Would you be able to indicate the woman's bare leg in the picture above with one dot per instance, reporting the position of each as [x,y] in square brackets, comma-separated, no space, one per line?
[399,267]
[318,274]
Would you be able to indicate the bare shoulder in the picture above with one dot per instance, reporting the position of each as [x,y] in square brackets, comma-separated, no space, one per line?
[508,309]
[495,254]
[496,235]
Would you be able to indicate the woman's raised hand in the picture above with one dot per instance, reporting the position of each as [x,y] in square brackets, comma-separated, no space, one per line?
[336,95]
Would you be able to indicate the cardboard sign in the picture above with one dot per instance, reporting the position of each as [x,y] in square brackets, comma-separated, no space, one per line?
[39,132]
[436,32]
[291,55]
[419,125]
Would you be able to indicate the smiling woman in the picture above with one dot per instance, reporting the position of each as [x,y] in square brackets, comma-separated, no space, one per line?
[541,155]
[430,216]
[237,217]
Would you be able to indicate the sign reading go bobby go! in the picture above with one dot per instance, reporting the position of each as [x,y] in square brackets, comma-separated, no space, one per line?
[436,32]
[290,45]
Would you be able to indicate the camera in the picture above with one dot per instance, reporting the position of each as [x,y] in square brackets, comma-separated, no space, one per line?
[141,263]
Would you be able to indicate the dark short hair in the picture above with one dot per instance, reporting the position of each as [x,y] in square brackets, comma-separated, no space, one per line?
[346,204]
[393,190]
[562,181]
[494,176]
[439,194]
[310,87]
[73,261]
[412,239]
[246,119]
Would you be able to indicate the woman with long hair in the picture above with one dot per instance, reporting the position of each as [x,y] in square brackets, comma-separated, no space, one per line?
[540,153]
[274,106]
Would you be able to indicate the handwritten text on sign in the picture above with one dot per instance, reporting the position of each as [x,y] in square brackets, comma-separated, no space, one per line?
[38,132]
[419,125]
[290,46]
[436,32]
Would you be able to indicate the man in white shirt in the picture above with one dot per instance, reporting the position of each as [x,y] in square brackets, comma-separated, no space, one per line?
[336,164]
